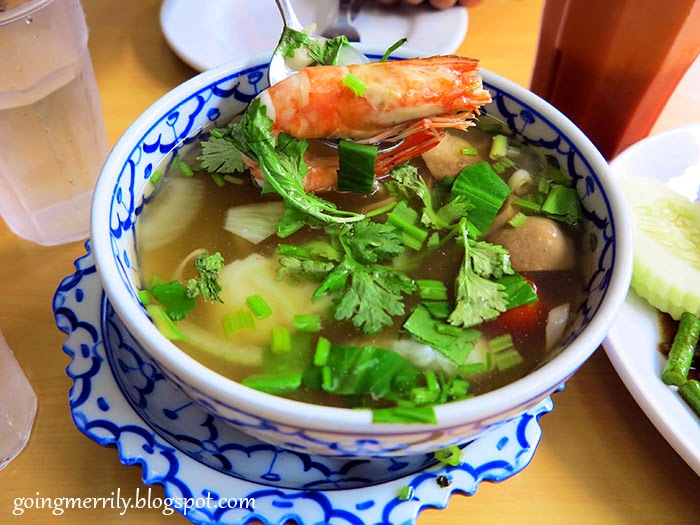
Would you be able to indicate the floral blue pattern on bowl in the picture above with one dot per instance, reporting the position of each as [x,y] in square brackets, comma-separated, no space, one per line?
[180,117]
[120,397]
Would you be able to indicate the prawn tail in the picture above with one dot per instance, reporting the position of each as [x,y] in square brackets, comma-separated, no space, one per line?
[424,139]
[462,121]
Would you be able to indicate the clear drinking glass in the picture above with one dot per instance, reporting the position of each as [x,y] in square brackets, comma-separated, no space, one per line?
[52,136]
[17,406]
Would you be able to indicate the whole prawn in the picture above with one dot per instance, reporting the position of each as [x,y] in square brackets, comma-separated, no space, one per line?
[414,98]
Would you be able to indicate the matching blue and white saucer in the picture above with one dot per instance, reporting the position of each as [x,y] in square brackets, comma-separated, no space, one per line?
[120,398]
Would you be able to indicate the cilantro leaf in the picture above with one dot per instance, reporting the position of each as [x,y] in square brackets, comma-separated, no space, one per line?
[478,298]
[326,53]
[372,241]
[293,220]
[489,260]
[220,155]
[207,285]
[322,52]
[281,160]
[454,210]
[295,268]
[442,219]
[373,294]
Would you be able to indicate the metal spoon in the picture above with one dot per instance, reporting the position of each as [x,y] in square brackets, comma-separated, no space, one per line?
[279,70]
[347,10]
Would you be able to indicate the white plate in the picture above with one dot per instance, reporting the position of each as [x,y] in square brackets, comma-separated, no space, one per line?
[674,158]
[208,33]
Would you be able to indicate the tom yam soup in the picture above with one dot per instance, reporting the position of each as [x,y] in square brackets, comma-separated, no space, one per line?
[395,280]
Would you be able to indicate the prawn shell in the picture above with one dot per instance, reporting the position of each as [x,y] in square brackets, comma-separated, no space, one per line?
[316,103]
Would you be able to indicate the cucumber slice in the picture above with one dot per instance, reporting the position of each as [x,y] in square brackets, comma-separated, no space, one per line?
[666,240]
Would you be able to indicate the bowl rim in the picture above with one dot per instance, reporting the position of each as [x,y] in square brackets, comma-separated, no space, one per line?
[527,390]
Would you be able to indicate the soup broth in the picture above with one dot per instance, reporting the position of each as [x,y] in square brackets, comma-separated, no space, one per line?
[185,216]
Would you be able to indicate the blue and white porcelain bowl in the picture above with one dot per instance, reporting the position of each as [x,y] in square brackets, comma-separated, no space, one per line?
[213,98]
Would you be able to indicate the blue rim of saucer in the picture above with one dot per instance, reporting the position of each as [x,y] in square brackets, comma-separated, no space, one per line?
[118,398]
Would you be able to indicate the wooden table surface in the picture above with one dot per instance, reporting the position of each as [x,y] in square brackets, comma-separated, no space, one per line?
[600,459]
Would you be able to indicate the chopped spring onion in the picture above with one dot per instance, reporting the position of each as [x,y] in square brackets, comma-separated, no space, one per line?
[472,368]
[406,493]
[292,250]
[326,378]
[163,323]
[502,342]
[182,166]
[354,84]
[218,180]
[690,392]
[402,414]
[406,219]
[519,181]
[323,350]
[144,297]
[234,322]
[431,381]
[356,166]
[506,359]
[513,151]
[528,205]
[517,220]
[680,357]
[307,323]
[502,353]
[277,384]
[393,48]
[258,306]
[506,162]
[233,180]
[155,178]
[498,168]
[451,455]
[281,340]
[469,152]
[544,186]
[432,289]
[458,388]
[448,329]
[481,186]
[254,222]
[489,128]
[422,396]
[438,309]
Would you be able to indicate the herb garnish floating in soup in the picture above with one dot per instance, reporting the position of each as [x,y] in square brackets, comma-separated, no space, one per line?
[396,280]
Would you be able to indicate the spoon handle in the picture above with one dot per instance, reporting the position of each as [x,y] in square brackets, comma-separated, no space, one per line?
[289,17]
